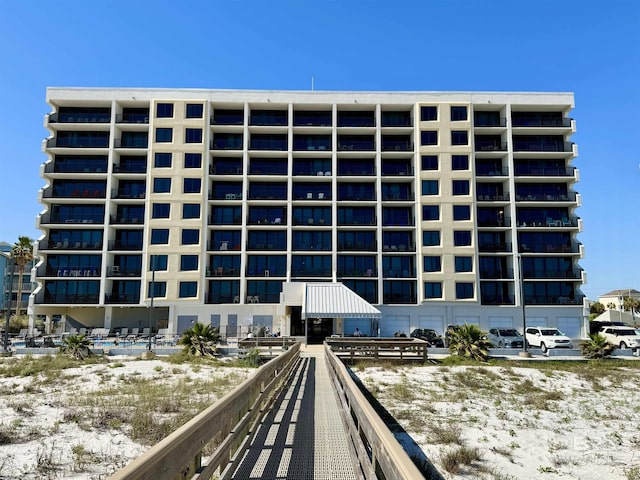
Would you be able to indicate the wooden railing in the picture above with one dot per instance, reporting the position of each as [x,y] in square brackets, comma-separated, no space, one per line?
[231,422]
[400,348]
[379,453]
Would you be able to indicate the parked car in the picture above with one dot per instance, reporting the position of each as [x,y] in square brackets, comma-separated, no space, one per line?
[596,325]
[546,338]
[428,335]
[621,337]
[505,338]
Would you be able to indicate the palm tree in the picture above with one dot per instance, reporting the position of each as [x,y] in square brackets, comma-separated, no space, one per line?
[22,254]
[469,341]
[597,347]
[200,340]
[77,346]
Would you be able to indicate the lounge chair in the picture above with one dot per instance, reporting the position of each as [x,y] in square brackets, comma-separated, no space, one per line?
[124,331]
[133,335]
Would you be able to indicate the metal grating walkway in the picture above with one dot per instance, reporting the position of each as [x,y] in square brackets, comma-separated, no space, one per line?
[302,437]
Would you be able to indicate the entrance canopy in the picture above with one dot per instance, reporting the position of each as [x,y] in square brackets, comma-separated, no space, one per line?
[334,300]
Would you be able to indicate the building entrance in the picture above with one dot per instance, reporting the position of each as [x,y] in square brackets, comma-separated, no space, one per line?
[318,329]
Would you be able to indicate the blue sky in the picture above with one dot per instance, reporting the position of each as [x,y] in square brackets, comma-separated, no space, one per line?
[581,46]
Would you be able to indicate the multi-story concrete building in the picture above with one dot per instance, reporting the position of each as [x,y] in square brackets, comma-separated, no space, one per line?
[238,207]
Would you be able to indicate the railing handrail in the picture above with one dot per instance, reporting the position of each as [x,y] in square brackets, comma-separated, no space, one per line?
[180,452]
[386,453]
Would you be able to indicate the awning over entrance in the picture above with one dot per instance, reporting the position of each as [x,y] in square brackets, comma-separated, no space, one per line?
[334,300]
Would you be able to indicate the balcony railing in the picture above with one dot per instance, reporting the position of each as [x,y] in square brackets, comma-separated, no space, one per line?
[223,272]
[131,142]
[494,247]
[349,272]
[357,246]
[497,222]
[78,166]
[549,248]
[541,122]
[127,220]
[75,193]
[127,194]
[495,274]
[311,272]
[69,245]
[225,169]
[130,167]
[535,146]
[48,218]
[216,298]
[397,170]
[393,273]
[546,197]
[117,271]
[554,274]
[497,299]
[388,298]
[72,299]
[489,122]
[72,272]
[127,246]
[490,146]
[564,222]
[398,197]
[388,146]
[82,142]
[410,247]
[553,300]
[132,118]
[550,171]
[356,146]
[122,298]
[80,117]
[482,171]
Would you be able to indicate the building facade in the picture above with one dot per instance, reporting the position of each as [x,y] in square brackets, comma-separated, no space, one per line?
[435,207]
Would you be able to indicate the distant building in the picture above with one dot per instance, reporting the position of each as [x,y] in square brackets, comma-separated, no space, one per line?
[9,278]
[229,207]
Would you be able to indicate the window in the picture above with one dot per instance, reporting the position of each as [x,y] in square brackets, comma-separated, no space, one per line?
[191,210]
[194,110]
[192,185]
[192,160]
[433,290]
[463,264]
[459,162]
[190,236]
[460,187]
[458,113]
[429,187]
[164,135]
[430,238]
[428,114]
[464,290]
[164,110]
[161,185]
[188,263]
[162,160]
[461,238]
[429,162]
[188,289]
[159,236]
[430,212]
[459,137]
[193,135]
[158,263]
[432,263]
[429,137]
[159,289]
[161,210]
[461,212]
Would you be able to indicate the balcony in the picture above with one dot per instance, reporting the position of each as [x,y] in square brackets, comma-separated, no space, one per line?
[494,274]
[540,120]
[118,271]
[495,197]
[369,272]
[489,120]
[227,168]
[70,192]
[571,274]
[278,118]
[544,170]
[127,220]
[125,298]
[268,142]
[396,170]
[68,245]
[79,140]
[398,298]
[553,300]
[563,222]
[81,115]
[130,167]
[399,248]
[489,247]
[390,145]
[546,197]
[311,119]
[353,144]
[133,115]
[125,194]
[230,141]
[356,119]
[357,246]
[69,165]
[309,142]
[71,272]
[396,119]
[549,248]
[310,272]
[218,298]
[49,218]
[488,299]
[71,299]
[132,141]
[541,144]
[123,245]
[490,146]
[227,117]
